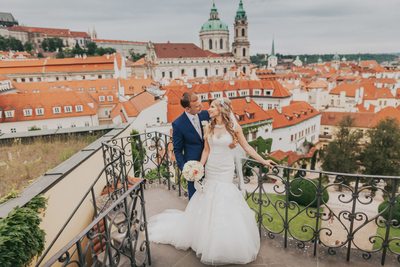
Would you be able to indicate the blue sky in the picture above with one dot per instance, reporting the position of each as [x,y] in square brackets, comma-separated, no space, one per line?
[299,26]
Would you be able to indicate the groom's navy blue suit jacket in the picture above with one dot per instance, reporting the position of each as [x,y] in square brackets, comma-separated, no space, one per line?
[188,145]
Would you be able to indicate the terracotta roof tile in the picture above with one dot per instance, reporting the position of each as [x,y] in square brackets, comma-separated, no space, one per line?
[296,112]
[19,102]
[181,50]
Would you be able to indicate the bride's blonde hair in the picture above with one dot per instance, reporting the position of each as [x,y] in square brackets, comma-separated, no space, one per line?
[225,108]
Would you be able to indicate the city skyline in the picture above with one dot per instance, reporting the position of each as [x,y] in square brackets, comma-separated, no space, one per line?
[297,26]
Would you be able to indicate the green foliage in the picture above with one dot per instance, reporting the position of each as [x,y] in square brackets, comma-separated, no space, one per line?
[381,155]
[40,55]
[342,154]
[10,43]
[137,152]
[261,145]
[153,174]
[34,128]
[52,44]
[102,51]
[77,50]
[384,206]
[304,192]
[28,47]
[259,60]
[136,56]
[21,239]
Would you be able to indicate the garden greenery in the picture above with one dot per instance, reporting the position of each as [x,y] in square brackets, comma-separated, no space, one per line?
[21,239]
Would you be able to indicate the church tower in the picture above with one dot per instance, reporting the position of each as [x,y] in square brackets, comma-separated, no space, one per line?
[241,44]
[214,34]
[272,59]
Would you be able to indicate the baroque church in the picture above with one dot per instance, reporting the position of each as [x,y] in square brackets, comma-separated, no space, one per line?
[214,37]
[214,57]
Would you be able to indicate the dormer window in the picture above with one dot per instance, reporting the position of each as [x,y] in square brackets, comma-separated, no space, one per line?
[39,111]
[27,112]
[241,117]
[56,110]
[256,92]
[9,113]
[110,98]
[78,108]
[68,109]
[102,98]
[104,88]
[268,92]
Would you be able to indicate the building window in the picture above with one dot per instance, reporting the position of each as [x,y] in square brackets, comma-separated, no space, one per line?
[216,72]
[102,98]
[158,119]
[237,33]
[73,125]
[78,108]
[92,89]
[110,98]
[225,70]
[13,130]
[27,112]
[221,44]
[254,135]
[59,126]
[194,73]
[256,92]
[67,109]
[210,44]
[244,52]
[104,88]
[56,110]
[243,32]
[170,74]
[206,72]
[163,74]
[182,71]
[86,124]
[268,92]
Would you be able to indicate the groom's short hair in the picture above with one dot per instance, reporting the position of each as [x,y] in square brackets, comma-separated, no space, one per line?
[187,98]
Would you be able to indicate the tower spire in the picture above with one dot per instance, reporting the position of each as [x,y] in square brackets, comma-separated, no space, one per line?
[240,13]
[273,47]
[214,12]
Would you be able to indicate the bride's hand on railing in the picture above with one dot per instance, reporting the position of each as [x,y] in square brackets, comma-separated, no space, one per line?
[269,163]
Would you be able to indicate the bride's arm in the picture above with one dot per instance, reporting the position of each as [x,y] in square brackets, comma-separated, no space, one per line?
[250,150]
[206,151]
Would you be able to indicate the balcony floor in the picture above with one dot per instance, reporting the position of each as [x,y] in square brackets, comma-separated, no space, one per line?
[272,253]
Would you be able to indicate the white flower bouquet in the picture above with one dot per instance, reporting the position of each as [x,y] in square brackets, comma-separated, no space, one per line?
[193,171]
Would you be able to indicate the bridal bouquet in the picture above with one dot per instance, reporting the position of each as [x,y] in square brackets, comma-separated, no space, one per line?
[193,171]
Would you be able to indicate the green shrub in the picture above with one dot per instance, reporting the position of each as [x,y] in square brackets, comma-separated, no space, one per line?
[396,212]
[304,192]
[21,239]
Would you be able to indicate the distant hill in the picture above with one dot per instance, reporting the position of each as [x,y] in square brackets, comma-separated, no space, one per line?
[259,59]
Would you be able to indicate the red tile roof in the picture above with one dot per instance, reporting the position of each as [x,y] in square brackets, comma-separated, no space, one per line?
[361,120]
[89,64]
[278,90]
[181,50]
[49,31]
[117,41]
[19,102]
[296,112]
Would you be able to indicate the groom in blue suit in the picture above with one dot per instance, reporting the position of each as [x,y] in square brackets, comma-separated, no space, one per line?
[188,133]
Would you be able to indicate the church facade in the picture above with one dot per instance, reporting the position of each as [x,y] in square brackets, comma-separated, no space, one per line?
[214,57]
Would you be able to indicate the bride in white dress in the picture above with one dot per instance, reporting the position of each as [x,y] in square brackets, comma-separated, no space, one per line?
[217,223]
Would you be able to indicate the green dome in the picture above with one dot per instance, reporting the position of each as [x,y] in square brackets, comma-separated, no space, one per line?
[214,25]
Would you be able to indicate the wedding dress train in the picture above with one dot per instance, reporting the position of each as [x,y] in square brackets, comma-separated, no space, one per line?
[217,223]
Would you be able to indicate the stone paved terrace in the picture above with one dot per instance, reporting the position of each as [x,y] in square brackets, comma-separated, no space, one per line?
[272,252]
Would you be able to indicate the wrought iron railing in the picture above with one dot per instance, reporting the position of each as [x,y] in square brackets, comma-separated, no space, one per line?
[118,232]
[150,156]
[326,210]
[293,203]
[332,212]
